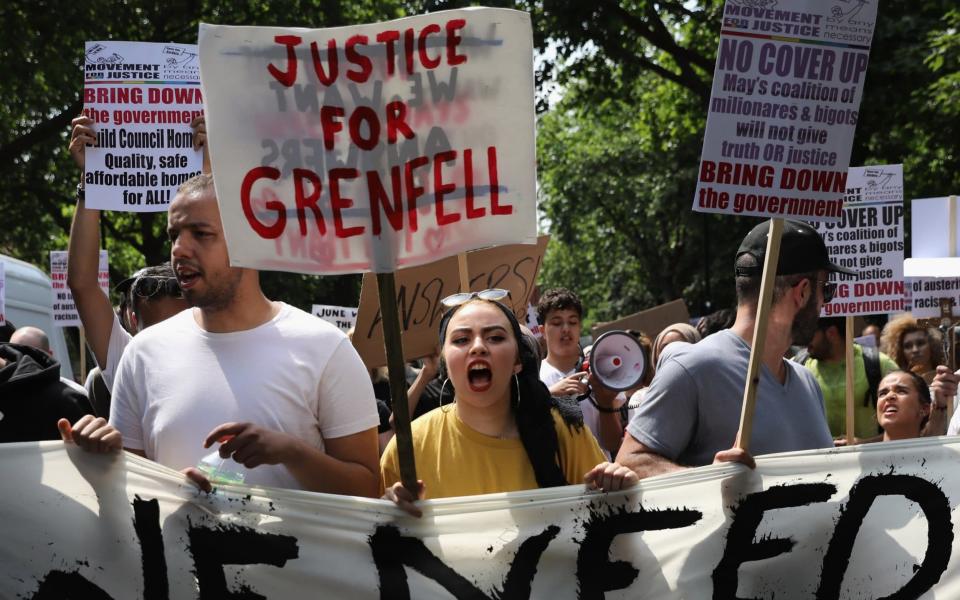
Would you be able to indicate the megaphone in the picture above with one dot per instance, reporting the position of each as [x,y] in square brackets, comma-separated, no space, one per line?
[617,361]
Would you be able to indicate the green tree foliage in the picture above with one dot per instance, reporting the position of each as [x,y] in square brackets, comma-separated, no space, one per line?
[42,53]
[618,155]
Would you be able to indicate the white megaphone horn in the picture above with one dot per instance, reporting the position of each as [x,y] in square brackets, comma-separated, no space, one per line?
[617,360]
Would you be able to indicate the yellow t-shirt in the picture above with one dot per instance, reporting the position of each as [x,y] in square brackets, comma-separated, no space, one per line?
[455,460]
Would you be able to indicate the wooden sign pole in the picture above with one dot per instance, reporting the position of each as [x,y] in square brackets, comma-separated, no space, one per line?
[464,272]
[850,387]
[387,289]
[767,284]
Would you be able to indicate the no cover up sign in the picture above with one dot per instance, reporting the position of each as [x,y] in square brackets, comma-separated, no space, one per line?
[372,147]
[784,107]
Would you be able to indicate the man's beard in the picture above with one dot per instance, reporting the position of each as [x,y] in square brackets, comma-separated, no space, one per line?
[805,323]
[219,293]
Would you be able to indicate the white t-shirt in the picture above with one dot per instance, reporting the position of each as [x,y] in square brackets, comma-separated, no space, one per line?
[549,375]
[119,338]
[296,374]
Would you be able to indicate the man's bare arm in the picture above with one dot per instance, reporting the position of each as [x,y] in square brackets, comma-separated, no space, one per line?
[643,460]
[83,251]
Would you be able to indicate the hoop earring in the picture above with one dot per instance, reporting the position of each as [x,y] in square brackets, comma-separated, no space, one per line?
[440,398]
[516,380]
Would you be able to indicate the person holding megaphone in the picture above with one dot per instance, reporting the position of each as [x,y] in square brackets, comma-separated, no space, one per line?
[560,312]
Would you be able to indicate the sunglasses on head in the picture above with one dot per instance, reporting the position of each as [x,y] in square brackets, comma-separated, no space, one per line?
[493,294]
[149,286]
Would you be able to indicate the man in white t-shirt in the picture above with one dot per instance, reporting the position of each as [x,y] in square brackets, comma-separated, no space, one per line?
[560,311]
[269,383]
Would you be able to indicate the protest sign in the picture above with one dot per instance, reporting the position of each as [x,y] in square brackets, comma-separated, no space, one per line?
[420,290]
[935,228]
[930,270]
[868,239]
[783,108]
[873,521]
[3,293]
[651,321]
[142,98]
[931,228]
[342,317]
[372,147]
[927,293]
[64,309]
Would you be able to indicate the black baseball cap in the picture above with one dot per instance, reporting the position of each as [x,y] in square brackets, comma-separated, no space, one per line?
[801,251]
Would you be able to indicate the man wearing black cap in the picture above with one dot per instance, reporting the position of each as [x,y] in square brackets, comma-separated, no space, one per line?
[691,413]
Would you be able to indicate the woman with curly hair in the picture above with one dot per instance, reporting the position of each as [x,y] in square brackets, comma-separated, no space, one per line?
[913,347]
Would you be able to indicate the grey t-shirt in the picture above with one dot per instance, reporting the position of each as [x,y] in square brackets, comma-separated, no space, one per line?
[692,407]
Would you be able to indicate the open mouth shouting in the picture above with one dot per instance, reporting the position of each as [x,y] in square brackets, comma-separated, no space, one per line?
[187,276]
[479,376]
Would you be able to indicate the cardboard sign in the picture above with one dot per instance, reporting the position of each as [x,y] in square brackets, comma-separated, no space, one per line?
[420,290]
[869,240]
[343,317]
[874,521]
[142,98]
[651,321]
[372,147]
[784,106]
[64,309]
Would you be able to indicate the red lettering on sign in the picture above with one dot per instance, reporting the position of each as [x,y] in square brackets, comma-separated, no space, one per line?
[286,78]
[264,231]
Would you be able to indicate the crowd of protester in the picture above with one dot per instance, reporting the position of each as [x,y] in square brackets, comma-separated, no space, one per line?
[181,369]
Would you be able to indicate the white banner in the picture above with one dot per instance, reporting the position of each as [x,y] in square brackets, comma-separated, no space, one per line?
[343,317]
[868,239]
[863,522]
[64,309]
[784,106]
[372,147]
[141,97]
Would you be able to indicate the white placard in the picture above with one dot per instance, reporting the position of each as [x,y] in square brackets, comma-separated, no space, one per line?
[929,218]
[868,239]
[784,106]
[875,521]
[64,309]
[343,317]
[927,293]
[372,147]
[930,239]
[142,97]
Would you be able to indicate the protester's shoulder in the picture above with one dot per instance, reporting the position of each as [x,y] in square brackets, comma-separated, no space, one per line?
[177,325]
[887,364]
[803,373]
[550,374]
[712,349]
[428,427]
[294,321]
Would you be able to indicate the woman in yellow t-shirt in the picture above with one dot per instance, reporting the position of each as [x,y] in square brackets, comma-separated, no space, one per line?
[503,432]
